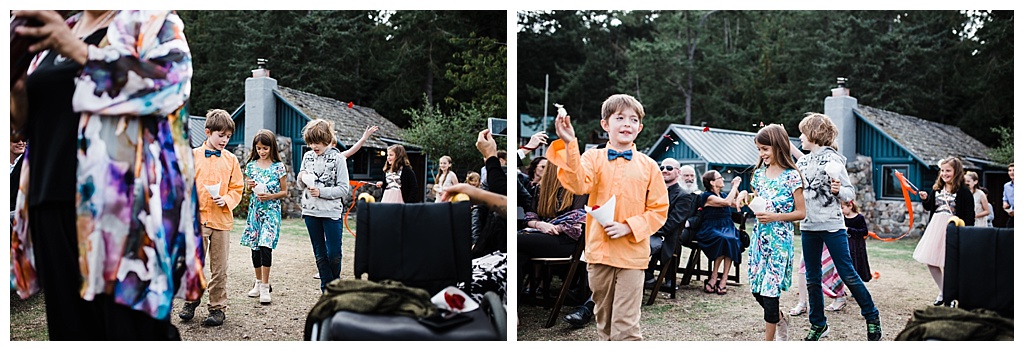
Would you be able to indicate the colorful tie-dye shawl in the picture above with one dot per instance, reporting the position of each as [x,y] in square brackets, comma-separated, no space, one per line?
[137,216]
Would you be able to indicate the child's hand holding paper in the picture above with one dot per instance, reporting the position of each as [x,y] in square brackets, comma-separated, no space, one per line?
[604,214]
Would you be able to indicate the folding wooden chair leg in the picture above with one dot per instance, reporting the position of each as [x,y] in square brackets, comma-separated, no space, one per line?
[561,295]
[693,268]
[667,267]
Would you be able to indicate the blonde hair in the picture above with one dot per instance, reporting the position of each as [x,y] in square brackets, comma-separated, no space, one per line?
[473,178]
[819,129]
[441,175]
[319,131]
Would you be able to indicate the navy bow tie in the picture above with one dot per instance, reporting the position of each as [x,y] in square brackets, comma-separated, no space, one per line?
[612,155]
[212,153]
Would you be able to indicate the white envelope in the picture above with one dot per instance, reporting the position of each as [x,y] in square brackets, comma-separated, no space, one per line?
[309,179]
[260,188]
[604,214]
[758,204]
[214,190]
[467,305]
[833,169]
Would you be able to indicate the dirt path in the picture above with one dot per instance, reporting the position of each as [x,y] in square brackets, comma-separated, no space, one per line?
[904,285]
[295,290]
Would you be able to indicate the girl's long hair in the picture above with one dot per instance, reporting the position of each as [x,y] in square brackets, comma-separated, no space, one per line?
[267,138]
[552,197]
[441,175]
[775,136]
[401,159]
[958,174]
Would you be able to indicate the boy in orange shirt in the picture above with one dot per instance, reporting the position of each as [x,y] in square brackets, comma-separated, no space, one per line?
[216,167]
[617,254]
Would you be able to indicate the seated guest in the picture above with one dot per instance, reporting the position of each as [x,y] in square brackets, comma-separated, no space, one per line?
[555,227]
[665,240]
[717,237]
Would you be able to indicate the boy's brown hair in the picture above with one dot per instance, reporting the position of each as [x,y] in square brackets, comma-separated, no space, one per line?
[218,120]
[319,131]
[618,102]
[819,129]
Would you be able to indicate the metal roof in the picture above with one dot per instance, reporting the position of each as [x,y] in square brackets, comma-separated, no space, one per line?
[716,146]
[196,130]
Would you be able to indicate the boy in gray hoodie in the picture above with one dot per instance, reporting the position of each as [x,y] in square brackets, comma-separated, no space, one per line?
[828,185]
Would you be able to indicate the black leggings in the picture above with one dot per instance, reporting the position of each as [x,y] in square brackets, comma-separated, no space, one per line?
[261,257]
[770,306]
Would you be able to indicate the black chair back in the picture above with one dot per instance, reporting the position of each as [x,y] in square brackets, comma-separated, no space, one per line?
[424,245]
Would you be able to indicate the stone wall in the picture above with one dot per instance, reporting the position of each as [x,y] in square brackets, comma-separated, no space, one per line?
[887,218]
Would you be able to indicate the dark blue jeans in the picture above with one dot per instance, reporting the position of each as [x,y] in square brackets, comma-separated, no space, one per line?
[839,248]
[325,235]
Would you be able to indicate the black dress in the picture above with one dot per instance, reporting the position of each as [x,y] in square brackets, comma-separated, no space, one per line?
[857,229]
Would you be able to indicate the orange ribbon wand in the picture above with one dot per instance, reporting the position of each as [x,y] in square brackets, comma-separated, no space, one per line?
[904,184]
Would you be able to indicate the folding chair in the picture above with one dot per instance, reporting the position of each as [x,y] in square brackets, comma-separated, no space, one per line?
[573,262]
[693,267]
[668,269]
[421,245]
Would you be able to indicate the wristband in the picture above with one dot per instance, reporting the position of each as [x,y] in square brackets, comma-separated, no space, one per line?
[524,147]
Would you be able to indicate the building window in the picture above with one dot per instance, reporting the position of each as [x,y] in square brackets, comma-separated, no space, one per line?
[361,162]
[890,185]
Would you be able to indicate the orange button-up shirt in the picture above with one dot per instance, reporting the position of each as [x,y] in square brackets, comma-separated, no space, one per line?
[641,200]
[212,170]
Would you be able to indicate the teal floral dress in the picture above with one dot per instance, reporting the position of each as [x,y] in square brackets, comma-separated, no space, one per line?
[263,225]
[770,264]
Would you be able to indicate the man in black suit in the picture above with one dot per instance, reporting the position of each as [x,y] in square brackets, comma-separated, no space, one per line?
[680,208]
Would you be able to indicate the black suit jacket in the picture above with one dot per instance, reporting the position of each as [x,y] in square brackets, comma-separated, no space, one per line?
[15,179]
[680,207]
[964,204]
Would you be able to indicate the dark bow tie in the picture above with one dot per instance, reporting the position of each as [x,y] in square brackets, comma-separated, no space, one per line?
[212,153]
[612,155]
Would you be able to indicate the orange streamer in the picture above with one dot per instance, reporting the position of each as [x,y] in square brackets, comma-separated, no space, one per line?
[904,184]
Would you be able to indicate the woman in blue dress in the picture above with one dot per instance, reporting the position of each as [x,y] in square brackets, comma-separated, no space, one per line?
[717,236]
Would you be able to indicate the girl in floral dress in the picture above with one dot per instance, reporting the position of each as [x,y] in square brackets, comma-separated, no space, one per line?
[266,176]
[770,263]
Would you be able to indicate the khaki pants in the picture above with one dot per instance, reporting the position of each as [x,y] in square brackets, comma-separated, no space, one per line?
[215,243]
[618,294]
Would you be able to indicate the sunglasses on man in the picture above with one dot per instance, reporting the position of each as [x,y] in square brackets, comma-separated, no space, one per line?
[667,168]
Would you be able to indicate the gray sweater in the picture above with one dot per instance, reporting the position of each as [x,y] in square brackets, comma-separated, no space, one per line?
[331,171]
[824,209]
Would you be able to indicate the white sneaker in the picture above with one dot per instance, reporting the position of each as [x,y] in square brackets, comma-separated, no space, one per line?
[265,293]
[782,328]
[255,289]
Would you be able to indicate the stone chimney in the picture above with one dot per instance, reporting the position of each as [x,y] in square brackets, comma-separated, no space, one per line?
[260,105]
[840,107]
